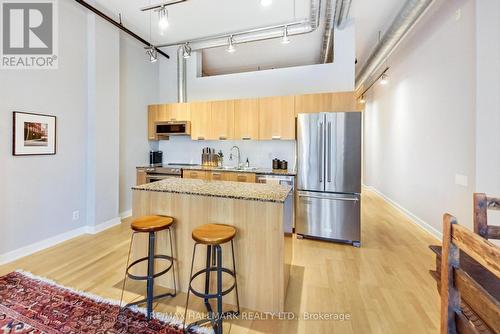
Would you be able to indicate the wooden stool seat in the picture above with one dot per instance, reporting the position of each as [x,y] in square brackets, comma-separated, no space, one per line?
[213,234]
[151,223]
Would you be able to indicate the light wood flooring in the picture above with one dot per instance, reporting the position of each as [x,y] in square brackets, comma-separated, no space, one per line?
[384,286]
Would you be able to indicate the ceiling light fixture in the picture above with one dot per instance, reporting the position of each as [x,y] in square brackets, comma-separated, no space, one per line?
[362,99]
[384,79]
[266,3]
[230,45]
[186,53]
[163,18]
[285,39]
[152,53]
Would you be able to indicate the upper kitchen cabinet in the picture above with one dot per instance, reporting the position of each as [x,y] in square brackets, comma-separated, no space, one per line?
[325,102]
[246,119]
[222,120]
[201,120]
[152,118]
[277,118]
[174,112]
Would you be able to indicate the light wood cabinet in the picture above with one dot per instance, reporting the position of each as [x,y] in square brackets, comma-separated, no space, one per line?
[221,124]
[325,102]
[174,112]
[201,120]
[277,118]
[246,119]
[152,118]
[218,176]
[140,176]
[242,177]
[194,174]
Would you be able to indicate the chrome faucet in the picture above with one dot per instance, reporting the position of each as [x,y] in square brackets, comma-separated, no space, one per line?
[239,155]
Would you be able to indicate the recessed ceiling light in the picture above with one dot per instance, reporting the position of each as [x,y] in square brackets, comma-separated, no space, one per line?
[266,3]
[230,45]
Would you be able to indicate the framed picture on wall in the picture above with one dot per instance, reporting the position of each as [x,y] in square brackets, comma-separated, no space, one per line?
[33,134]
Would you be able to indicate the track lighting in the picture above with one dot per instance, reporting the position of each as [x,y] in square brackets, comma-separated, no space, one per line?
[162,18]
[186,52]
[152,53]
[362,99]
[230,45]
[285,39]
[266,3]
[384,79]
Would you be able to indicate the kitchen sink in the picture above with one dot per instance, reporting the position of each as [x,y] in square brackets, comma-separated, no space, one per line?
[237,168]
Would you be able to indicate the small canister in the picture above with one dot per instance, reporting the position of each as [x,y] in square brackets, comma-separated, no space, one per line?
[276,164]
[283,164]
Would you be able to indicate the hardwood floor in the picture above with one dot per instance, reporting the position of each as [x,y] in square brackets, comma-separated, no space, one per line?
[384,287]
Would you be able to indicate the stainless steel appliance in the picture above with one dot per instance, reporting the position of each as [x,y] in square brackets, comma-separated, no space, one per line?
[172,128]
[329,176]
[154,174]
[155,158]
[288,180]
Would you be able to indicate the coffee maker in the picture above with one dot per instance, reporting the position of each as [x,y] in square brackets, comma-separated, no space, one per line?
[156,158]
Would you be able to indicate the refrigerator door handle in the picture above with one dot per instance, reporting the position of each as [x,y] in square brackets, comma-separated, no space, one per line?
[329,152]
[353,199]
[321,152]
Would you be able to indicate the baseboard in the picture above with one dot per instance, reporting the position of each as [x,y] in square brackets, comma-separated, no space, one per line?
[52,241]
[412,217]
[103,226]
[126,214]
[41,245]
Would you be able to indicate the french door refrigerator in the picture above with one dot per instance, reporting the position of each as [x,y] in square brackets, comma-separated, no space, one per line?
[329,176]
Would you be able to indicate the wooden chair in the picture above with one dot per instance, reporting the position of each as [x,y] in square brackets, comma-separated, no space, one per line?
[457,285]
[482,204]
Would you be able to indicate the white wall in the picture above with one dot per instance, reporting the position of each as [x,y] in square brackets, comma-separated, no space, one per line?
[260,154]
[338,76]
[488,100]
[39,193]
[420,129]
[138,88]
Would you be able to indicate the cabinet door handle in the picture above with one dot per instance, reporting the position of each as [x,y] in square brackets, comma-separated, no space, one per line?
[276,137]
[201,138]
[222,137]
[246,138]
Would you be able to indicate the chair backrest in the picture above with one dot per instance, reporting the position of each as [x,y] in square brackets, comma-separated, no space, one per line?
[457,285]
[482,204]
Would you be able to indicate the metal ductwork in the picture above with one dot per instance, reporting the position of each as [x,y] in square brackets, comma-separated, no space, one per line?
[181,75]
[401,25]
[327,46]
[256,34]
[342,9]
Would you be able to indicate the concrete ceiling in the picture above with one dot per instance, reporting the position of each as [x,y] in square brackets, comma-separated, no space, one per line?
[199,18]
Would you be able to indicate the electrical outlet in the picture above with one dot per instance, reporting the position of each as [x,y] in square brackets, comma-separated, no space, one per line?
[461,180]
[76,215]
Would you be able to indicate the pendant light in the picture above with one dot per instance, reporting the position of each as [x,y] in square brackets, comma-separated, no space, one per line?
[163,18]
[230,45]
[285,39]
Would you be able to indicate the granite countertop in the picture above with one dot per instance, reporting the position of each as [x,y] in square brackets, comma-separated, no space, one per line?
[267,171]
[226,189]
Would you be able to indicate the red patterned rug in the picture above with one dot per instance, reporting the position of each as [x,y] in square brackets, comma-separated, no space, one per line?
[34,305]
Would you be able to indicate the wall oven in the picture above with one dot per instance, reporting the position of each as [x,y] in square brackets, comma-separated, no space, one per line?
[154,174]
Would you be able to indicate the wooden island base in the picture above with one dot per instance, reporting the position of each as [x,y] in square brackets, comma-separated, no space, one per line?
[263,253]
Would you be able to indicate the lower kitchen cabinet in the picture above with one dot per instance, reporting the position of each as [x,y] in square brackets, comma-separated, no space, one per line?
[219,176]
[140,176]
[194,174]
[242,177]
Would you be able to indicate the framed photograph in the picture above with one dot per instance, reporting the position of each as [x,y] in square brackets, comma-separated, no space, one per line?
[33,134]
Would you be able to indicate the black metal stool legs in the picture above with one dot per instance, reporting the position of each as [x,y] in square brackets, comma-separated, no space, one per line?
[151,275]
[213,263]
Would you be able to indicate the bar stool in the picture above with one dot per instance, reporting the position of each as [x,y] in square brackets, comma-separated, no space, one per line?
[213,235]
[150,225]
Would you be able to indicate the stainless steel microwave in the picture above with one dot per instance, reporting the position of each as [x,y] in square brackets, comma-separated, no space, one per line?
[172,128]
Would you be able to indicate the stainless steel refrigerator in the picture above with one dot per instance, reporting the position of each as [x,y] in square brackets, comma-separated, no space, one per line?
[329,176]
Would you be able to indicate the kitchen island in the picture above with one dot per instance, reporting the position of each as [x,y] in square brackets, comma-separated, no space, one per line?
[262,215]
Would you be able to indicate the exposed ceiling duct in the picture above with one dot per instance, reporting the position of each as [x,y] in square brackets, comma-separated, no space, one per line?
[181,75]
[342,9]
[256,34]
[326,47]
[409,15]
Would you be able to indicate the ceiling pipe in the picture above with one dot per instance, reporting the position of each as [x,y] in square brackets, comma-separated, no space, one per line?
[327,45]
[119,25]
[181,75]
[406,19]
[342,9]
[256,34]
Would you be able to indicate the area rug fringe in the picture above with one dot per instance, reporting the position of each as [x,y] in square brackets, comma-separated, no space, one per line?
[156,315]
